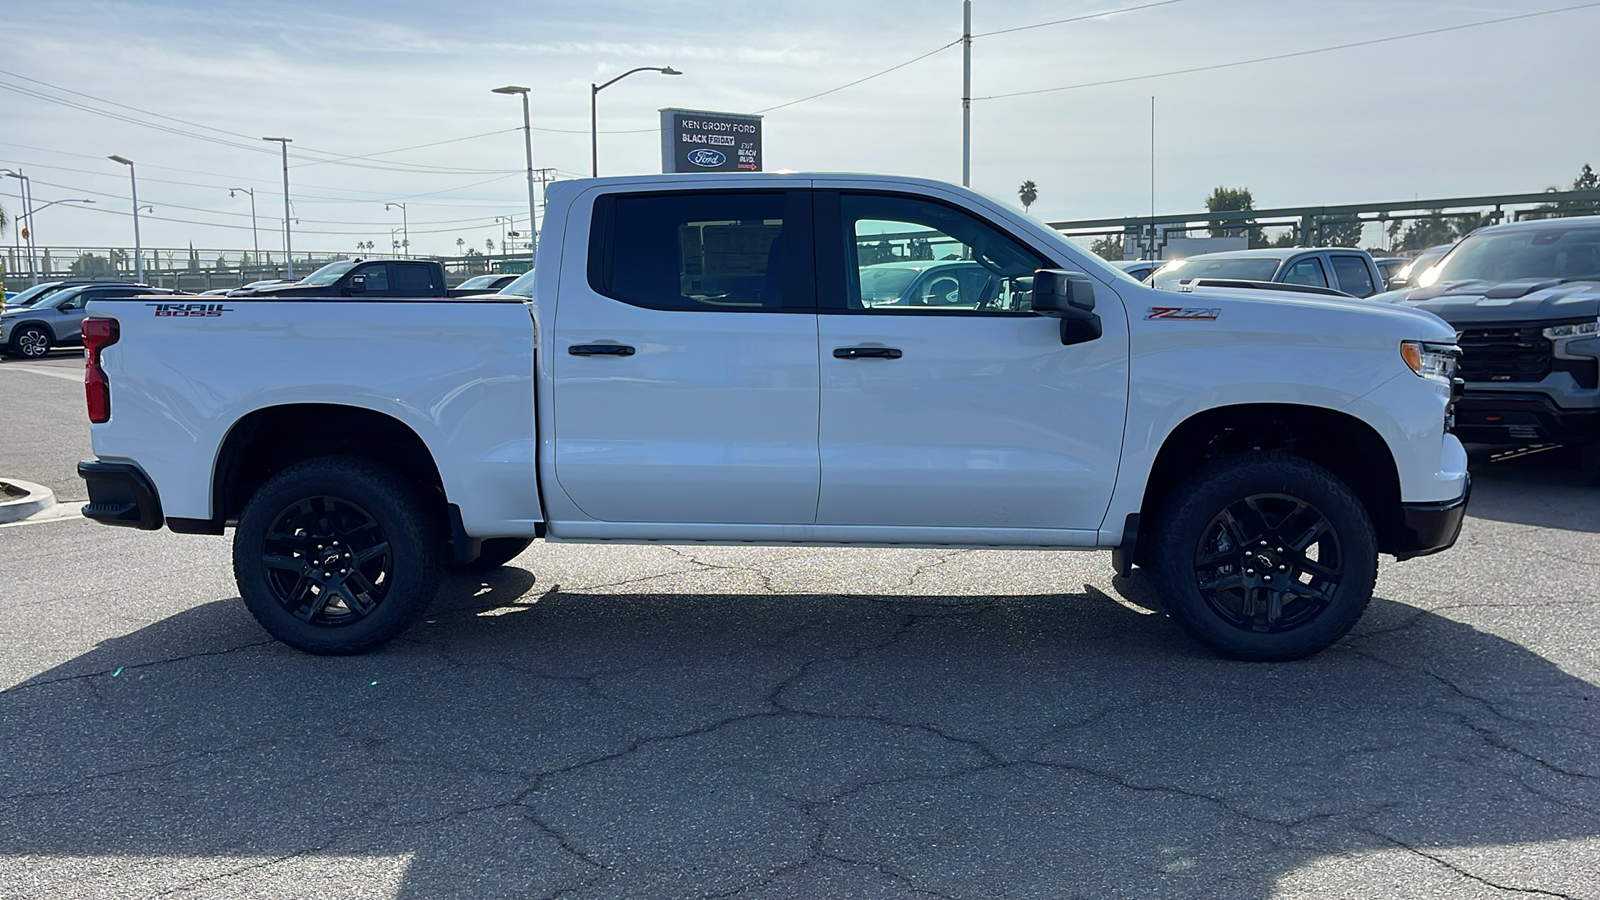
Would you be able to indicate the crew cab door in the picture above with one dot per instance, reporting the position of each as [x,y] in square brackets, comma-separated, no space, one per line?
[957,407]
[685,358]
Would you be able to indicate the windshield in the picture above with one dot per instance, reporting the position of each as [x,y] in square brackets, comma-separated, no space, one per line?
[477,281]
[886,282]
[33,294]
[329,273]
[1501,256]
[1183,271]
[522,287]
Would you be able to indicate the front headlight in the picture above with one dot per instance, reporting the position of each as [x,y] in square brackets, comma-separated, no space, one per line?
[1436,361]
[1581,329]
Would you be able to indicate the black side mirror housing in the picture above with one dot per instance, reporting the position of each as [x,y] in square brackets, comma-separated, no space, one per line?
[358,284]
[1068,296]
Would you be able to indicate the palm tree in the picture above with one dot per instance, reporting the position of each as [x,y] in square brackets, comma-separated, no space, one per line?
[4,220]
[459,243]
[1028,193]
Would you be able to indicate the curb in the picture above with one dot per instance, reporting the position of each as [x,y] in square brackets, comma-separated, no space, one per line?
[35,498]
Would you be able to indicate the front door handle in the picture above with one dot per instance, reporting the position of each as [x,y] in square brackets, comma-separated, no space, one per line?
[600,350]
[867,353]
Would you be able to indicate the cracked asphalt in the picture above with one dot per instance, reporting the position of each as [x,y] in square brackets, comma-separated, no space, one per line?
[617,722]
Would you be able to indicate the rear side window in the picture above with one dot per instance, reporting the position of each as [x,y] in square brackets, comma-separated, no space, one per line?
[1353,275]
[413,277]
[705,251]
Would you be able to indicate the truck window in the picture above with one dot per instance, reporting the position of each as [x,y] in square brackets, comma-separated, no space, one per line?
[413,277]
[377,276]
[907,255]
[705,251]
[1306,271]
[1352,274]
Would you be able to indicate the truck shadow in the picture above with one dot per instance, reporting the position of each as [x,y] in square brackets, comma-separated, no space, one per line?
[524,741]
[1547,488]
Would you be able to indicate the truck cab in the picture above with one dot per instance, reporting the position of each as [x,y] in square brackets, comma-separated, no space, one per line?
[361,278]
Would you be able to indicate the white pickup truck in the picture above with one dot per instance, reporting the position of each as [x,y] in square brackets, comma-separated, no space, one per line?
[787,359]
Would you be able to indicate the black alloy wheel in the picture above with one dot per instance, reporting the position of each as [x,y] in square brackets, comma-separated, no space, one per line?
[1264,556]
[338,555]
[328,561]
[1268,563]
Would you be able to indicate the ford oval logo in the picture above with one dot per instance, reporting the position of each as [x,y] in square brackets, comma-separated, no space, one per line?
[707,159]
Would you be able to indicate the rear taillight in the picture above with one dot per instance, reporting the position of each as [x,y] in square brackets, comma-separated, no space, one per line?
[98,334]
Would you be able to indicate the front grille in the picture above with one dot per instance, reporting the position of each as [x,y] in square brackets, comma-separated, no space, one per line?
[1504,353]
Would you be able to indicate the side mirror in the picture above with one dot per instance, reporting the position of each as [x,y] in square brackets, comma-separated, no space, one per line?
[1068,296]
[358,284]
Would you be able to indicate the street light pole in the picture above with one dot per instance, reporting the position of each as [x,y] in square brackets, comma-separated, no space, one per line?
[405,229]
[594,125]
[25,191]
[288,249]
[254,238]
[138,252]
[527,142]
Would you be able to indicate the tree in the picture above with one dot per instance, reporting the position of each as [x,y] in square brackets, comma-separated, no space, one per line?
[459,243]
[5,220]
[1027,193]
[1108,248]
[1226,199]
[1587,180]
[1338,231]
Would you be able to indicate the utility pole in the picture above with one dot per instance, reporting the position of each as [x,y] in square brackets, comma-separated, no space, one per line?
[288,248]
[1152,160]
[966,93]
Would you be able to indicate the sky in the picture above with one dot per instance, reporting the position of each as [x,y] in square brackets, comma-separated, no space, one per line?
[1500,108]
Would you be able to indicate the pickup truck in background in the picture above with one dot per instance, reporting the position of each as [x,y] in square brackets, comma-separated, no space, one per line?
[411,278]
[1343,269]
[1524,299]
[707,360]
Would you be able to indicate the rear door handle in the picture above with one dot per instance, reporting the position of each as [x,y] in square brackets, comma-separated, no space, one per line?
[866,353]
[600,350]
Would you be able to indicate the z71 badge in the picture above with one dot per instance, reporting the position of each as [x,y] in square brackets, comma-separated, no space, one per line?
[1179,312]
[190,310]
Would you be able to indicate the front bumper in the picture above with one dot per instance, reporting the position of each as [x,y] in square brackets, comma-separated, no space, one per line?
[120,494]
[1430,527]
[1495,417]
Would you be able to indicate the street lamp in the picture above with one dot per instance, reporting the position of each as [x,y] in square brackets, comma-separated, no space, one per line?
[254,238]
[594,127]
[26,193]
[288,251]
[503,222]
[527,142]
[405,229]
[138,253]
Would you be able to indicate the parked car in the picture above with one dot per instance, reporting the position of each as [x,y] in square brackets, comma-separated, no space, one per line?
[709,360]
[40,291]
[30,332]
[1390,266]
[1410,274]
[1525,300]
[521,288]
[1343,269]
[1138,269]
[482,284]
[361,278]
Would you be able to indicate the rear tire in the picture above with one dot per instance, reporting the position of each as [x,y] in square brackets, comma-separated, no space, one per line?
[32,342]
[1265,556]
[337,555]
[496,552]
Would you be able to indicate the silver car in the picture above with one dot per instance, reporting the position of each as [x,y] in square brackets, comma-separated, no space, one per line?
[57,320]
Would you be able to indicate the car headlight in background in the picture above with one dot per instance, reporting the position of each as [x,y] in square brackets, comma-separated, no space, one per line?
[1436,361]
[1580,329]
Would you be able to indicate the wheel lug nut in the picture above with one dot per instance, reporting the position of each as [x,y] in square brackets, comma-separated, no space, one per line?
[1267,578]
[1283,568]
[1249,571]
[1248,554]
[1263,543]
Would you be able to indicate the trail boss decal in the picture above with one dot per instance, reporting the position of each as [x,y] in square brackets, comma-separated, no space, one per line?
[1179,312]
[189,310]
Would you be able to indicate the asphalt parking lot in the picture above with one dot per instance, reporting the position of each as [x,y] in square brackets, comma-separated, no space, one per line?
[603,722]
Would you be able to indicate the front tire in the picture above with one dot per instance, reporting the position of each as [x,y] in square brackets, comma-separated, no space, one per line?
[1265,556]
[337,555]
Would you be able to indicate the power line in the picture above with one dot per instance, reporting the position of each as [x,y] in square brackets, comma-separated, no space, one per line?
[860,80]
[1299,53]
[1109,12]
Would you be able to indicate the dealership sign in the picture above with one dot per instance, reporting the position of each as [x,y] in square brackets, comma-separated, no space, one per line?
[694,140]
